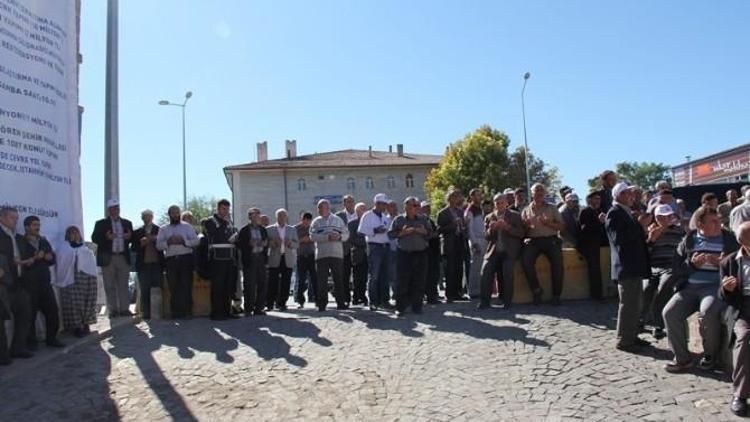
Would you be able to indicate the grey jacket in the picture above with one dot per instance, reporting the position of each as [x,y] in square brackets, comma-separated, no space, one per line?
[274,246]
[320,229]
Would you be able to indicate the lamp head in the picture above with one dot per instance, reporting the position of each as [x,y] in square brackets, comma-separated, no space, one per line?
[527,75]
[188,94]
[163,102]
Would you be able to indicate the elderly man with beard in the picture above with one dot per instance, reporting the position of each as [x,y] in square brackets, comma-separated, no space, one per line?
[177,240]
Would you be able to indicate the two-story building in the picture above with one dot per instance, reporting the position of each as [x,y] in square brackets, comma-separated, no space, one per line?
[296,183]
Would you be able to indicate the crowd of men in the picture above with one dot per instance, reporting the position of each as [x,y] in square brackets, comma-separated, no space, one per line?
[667,263]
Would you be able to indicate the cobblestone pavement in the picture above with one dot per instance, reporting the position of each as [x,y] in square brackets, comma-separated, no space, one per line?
[452,363]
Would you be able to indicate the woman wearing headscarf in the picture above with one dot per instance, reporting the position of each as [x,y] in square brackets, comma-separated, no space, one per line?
[76,277]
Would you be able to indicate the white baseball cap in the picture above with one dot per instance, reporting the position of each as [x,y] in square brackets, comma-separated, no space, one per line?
[113,202]
[620,188]
[381,198]
[664,209]
[509,191]
[424,204]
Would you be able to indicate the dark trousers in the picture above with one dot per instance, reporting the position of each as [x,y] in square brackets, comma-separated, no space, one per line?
[741,353]
[454,272]
[42,298]
[223,285]
[346,275]
[307,279]
[279,280]
[324,267]
[412,272]
[18,300]
[180,280]
[551,247]
[255,283]
[433,274]
[591,251]
[498,265]
[148,276]
[359,271]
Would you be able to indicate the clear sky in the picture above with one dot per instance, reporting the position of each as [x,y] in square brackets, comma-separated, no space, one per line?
[611,81]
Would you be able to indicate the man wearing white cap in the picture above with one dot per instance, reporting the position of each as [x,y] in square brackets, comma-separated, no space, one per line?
[112,237]
[570,212]
[149,262]
[374,225]
[630,265]
[663,238]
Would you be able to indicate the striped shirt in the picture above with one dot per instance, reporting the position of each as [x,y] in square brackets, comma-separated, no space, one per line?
[662,251]
[708,273]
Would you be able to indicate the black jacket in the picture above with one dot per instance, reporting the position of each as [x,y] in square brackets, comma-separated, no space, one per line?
[39,270]
[682,265]
[453,244]
[591,229]
[139,250]
[348,244]
[243,244]
[104,245]
[357,242]
[627,241]
[11,278]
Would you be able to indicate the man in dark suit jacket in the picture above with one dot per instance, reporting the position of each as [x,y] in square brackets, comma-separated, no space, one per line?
[13,298]
[592,237]
[149,261]
[504,231]
[452,228]
[630,265]
[346,215]
[358,252]
[112,237]
[252,241]
[735,292]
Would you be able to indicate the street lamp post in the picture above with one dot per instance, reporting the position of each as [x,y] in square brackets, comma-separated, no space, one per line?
[184,167]
[526,77]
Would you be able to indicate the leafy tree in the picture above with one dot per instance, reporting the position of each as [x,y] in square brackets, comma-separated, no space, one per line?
[202,207]
[481,159]
[644,174]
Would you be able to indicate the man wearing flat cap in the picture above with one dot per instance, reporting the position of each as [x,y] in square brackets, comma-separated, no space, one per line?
[112,236]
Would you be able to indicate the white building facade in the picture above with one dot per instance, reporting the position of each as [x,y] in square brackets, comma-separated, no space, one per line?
[296,183]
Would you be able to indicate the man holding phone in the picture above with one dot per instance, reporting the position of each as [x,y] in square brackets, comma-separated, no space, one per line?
[374,225]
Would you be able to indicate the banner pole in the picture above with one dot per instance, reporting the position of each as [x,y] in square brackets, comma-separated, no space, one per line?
[111,141]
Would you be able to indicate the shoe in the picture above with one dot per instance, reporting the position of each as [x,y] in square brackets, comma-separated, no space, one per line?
[399,313]
[23,354]
[321,308]
[388,306]
[233,316]
[675,367]
[707,363]
[259,312]
[658,333]
[433,301]
[506,306]
[282,308]
[112,315]
[126,314]
[739,406]
[556,301]
[55,343]
[373,308]
[462,298]
[641,342]
[301,306]
[483,305]
[342,307]
[86,329]
[364,302]
[537,300]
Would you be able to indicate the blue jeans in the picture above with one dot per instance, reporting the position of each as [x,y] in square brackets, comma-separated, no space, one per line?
[377,285]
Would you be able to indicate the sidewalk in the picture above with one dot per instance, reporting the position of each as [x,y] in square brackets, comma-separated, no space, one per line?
[103,328]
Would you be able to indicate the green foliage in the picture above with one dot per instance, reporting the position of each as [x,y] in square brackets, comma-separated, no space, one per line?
[481,159]
[202,207]
[644,174]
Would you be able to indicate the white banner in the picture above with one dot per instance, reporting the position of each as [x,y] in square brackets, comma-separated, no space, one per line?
[40,173]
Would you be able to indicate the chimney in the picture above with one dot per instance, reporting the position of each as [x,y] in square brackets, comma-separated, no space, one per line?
[291,148]
[400,149]
[390,148]
[262,151]
[369,154]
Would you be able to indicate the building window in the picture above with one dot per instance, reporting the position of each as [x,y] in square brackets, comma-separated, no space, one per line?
[409,181]
[390,181]
[301,185]
[369,184]
[350,184]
